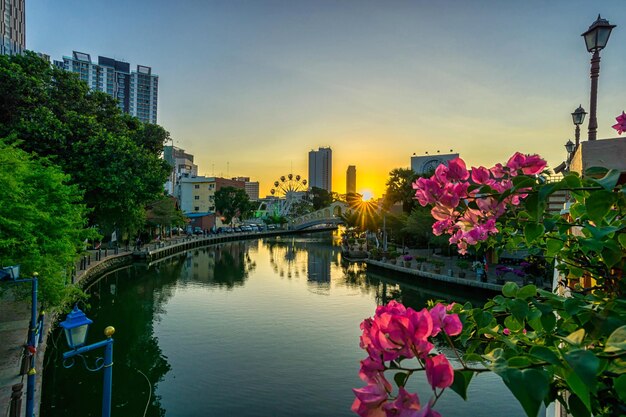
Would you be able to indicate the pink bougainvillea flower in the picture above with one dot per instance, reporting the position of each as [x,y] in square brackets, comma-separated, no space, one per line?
[480,175]
[506,331]
[371,369]
[441,174]
[405,404]
[621,123]
[370,399]
[439,372]
[516,162]
[449,323]
[457,170]
[497,171]
[533,165]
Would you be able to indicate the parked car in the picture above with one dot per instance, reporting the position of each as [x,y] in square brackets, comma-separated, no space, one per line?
[197,230]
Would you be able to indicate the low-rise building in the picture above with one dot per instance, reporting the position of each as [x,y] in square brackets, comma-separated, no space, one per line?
[196,195]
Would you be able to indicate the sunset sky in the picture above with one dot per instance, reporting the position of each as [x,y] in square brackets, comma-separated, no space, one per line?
[249,87]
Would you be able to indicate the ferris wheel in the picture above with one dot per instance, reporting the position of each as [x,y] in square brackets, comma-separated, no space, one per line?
[286,186]
[288,189]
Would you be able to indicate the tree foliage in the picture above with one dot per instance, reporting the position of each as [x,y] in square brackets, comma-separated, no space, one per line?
[400,189]
[320,198]
[231,202]
[42,220]
[111,156]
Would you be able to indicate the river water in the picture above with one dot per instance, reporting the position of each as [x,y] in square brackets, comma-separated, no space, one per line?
[252,328]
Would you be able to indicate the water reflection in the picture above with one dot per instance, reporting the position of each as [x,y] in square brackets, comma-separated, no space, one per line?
[254,328]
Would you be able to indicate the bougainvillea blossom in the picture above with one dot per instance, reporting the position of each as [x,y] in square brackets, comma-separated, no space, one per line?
[620,126]
[451,190]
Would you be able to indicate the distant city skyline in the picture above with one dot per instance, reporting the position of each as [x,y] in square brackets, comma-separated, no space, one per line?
[250,87]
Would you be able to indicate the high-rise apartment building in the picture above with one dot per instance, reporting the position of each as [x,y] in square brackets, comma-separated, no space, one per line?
[12,27]
[321,169]
[351,180]
[137,91]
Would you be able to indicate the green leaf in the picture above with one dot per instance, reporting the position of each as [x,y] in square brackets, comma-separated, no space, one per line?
[510,289]
[575,338]
[532,231]
[598,205]
[576,407]
[529,386]
[548,321]
[616,341]
[482,318]
[545,353]
[519,309]
[534,206]
[513,324]
[572,181]
[619,386]
[585,364]
[611,253]
[461,382]
[609,181]
[554,246]
[596,171]
[578,387]
[519,362]
[401,378]
[526,291]
[622,239]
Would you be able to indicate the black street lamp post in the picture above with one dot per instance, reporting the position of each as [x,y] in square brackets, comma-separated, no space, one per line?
[596,38]
[578,117]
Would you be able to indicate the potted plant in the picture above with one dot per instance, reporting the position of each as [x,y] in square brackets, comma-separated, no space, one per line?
[437,264]
[479,267]
[462,264]
[407,260]
[393,257]
[419,260]
[374,254]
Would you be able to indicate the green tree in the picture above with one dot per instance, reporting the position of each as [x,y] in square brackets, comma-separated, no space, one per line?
[232,202]
[400,188]
[113,157]
[42,221]
[319,197]
[164,212]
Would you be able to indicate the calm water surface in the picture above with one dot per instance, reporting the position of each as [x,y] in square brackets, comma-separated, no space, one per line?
[254,328]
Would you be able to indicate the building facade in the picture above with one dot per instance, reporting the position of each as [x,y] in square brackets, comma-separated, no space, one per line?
[13,27]
[424,164]
[321,169]
[251,187]
[351,180]
[136,91]
[196,194]
[182,165]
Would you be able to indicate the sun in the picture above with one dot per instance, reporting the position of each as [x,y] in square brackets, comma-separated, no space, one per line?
[367,195]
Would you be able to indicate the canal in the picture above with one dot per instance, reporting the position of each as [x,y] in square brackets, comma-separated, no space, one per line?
[252,328]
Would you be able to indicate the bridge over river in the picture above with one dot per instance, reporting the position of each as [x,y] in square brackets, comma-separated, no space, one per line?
[327,215]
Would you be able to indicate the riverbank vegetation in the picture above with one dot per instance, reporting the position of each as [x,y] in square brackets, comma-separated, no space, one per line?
[93,168]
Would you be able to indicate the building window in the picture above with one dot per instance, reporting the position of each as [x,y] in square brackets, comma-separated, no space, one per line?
[196,208]
[197,197]
[197,186]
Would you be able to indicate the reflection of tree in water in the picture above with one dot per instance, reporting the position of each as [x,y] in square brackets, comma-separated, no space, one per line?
[232,264]
[131,300]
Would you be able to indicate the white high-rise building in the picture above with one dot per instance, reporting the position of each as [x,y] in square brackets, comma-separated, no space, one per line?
[12,27]
[137,91]
[321,169]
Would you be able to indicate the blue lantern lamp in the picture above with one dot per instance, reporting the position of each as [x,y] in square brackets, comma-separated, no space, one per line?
[76,326]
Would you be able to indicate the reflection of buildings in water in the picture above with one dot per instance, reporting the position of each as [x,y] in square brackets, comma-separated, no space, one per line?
[318,266]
